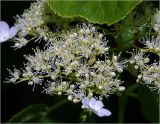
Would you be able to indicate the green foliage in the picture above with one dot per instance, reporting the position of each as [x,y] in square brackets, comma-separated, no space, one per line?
[38,113]
[123,98]
[149,103]
[83,116]
[135,26]
[108,12]
[33,113]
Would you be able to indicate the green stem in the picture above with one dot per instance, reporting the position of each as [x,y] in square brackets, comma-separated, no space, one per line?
[123,100]
[55,106]
[83,116]
[87,117]
[91,118]
[122,104]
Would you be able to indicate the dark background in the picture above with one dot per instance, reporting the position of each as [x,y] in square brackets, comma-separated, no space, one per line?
[16,97]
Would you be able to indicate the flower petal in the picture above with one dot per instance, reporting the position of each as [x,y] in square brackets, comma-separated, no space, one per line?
[13,31]
[85,102]
[103,112]
[98,105]
[4,31]
[4,27]
[92,103]
[4,37]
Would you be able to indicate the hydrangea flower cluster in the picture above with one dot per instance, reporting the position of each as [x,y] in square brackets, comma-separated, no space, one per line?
[149,73]
[77,64]
[152,44]
[27,23]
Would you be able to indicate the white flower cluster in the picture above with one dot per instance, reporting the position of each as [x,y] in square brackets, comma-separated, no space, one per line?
[151,76]
[77,65]
[29,21]
[149,73]
[152,44]
[157,22]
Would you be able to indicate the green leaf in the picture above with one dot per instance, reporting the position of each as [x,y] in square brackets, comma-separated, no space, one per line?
[108,12]
[149,103]
[33,113]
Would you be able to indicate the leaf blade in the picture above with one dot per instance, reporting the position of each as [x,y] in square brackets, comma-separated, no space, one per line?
[149,103]
[101,12]
[32,113]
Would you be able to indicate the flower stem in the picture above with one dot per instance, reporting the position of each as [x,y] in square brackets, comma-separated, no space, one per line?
[87,117]
[122,104]
[123,100]
[55,106]
[83,116]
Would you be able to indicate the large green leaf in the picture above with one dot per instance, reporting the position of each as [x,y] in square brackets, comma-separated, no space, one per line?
[108,12]
[31,114]
[149,102]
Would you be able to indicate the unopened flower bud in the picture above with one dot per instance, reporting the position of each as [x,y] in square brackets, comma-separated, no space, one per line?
[106,49]
[121,88]
[100,87]
[92,73]
[90,94]
[146,60]
[30,83]
[70,98]
[113,74]
[59,93]
[136,66]
[115,58]
[120,70]
[100,35]
[93,28]
[83,107]
[75,100]
[131,61]
[75,34]
[139,76]
[87,76]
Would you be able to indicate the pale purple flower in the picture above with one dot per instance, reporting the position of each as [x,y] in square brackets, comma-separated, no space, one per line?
[96,106]
[5,32]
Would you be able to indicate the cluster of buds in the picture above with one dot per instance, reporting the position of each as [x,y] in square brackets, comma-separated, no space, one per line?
[151,76]
[28,22]
[77,64]
[149,71]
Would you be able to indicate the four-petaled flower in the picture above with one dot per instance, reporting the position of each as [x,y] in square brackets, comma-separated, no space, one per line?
[96,106]
[5,32]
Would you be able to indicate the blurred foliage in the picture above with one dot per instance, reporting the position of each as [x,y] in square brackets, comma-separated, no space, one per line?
[36,113]
[33,113]
[135,26]
[149,101]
